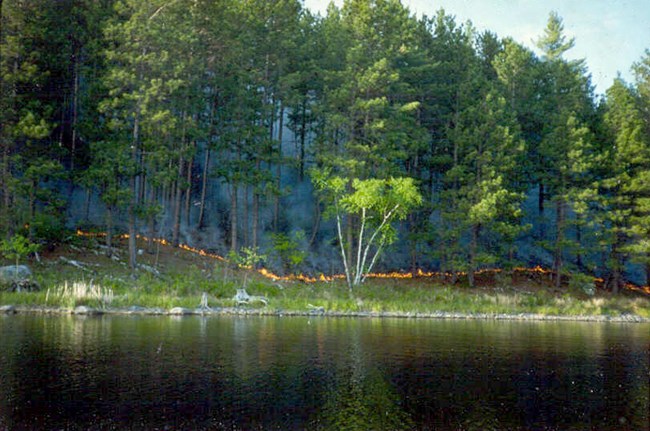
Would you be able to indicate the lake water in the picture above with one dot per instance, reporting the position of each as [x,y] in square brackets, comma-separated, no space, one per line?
[232,373]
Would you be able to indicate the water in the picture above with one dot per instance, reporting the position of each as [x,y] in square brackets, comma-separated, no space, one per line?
[67,372]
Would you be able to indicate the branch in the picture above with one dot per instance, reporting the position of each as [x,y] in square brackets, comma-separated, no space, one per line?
[160,9]
[357,275]
[374,259]
[345,261]
[374,235]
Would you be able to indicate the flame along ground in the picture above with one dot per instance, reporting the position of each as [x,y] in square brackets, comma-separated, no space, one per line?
[378,275]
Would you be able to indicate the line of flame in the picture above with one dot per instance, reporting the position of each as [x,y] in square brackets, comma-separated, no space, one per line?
[327,278]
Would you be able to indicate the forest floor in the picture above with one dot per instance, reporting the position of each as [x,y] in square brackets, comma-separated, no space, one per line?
[78,273]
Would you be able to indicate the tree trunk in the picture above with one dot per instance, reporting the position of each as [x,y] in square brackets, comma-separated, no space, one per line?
[316,225]
[473,246]
[350,239]
[256,210]
[62,119]
[142,178]
[579,262]
[256,218]
[87,204]
[177,205]
[204,186]
[134,195]
[559,239]
[540,209]
[6,193]
[151,221]
[616,276]
[233,217]
[188,190]
[278,172]
[245,217]
[32,208]
[303,137]
[109,231]
[75,110]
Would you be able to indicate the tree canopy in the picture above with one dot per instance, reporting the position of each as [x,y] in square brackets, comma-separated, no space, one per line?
[230,124]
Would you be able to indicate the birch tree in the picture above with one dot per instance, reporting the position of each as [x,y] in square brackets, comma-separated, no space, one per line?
[377,203]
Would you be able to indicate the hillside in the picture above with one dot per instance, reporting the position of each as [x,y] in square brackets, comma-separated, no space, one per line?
[80,273]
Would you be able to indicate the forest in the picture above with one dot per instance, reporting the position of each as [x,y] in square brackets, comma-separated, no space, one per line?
[261,129]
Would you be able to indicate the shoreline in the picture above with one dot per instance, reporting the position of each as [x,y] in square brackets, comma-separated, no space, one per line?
[262,312]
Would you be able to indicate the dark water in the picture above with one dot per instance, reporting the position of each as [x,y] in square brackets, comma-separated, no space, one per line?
[295,373]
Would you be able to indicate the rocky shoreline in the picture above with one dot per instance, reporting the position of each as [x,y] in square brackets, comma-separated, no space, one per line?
[244,311]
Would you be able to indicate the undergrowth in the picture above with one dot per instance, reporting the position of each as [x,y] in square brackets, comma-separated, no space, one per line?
[112,285]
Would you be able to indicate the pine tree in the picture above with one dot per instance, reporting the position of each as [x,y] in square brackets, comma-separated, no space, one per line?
[28,37]
[625,187]
[567,104]
[147,103]
[482,194]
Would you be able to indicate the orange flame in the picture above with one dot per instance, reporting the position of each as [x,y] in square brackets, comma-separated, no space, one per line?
[328,278]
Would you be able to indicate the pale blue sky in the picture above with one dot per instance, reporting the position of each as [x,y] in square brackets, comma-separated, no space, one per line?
[609,34]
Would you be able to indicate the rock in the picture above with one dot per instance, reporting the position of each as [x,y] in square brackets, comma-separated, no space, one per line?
[313,310]
[17,279]
[149,269]
[180,311]
[25,286]
[12,273]
[155,311]
[242,297]
[8,309]
[82,309]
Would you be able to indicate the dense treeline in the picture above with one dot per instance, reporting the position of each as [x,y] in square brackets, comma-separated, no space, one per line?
[203,121]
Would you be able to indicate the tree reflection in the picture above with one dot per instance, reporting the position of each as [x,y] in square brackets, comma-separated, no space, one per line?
[363,402]
[362,398]
[483,417]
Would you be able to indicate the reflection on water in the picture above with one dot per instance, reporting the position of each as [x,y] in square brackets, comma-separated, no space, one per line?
[71,372]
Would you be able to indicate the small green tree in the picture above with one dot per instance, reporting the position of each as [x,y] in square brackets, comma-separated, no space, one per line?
[248,258]
[16,248]
[288,251]
[376,204]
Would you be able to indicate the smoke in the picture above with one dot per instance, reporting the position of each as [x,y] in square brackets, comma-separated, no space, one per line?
[298,218]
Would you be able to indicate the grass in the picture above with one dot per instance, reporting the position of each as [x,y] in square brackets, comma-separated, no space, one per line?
[186,276]
[185,290]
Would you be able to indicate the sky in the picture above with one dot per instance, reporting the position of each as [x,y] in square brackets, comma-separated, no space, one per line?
[609,34]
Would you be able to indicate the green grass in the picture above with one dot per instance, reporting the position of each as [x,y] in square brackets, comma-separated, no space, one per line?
[183,286]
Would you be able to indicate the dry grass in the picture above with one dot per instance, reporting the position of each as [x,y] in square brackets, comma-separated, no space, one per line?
[80,292]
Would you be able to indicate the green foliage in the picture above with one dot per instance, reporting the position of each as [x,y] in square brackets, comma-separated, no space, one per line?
[377,203]
[115,288]
[17,247]
[120,97]
[582,283]
[554,43]
[482,197]
[247,257]
[288,250]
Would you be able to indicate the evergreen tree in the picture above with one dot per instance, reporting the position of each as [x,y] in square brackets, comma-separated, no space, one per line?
[29,37]
[567,103]
[625,187]
[482,198]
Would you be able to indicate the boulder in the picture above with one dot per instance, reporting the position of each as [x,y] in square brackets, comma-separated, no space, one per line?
[25,286]
[17,279]
[242,297]
[12,273]
[180,311]
[84,310]
[8,309]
